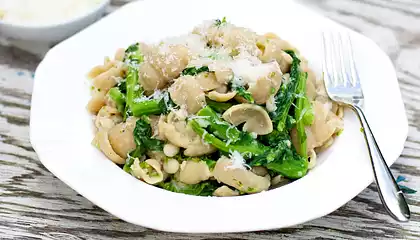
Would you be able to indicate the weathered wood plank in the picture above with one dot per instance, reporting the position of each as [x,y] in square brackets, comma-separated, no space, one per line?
[36,205]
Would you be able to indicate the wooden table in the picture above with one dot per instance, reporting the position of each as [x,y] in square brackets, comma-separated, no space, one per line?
[36,205]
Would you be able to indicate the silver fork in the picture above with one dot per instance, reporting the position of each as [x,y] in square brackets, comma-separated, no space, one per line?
[343,86]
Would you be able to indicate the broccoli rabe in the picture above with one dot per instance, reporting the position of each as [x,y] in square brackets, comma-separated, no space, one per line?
[219,107]
[155,104]
[143,136]
[286,96]
[303,115]
[237,85]
[134,90]
[122,86]
[247,145]
[148,107]
[118,97]
[128,162]
[133,55]
[219,127]
[135,105]
[272,139]
[144,142]
[200,189]
[210,163]
[194,70]
[281,158]
[242,92]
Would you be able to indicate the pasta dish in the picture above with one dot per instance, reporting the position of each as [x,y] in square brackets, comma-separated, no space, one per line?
[220,111]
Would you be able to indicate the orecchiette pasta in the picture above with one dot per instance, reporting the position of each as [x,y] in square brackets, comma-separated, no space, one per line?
[121,137]
[220,111]
[177,55]
[225,191]
[266,86]
[119,54]
[149,171]
[260,171]
[221,97]
[94,72]
[108,79]
[180,134]
[312,159]
[186,91]
[101,141]
[239,178]
[96,102]
[278,181]
[256,119]
[223,74]
[192,172]
[157,155]
[207,81]
[324,126]
[107,118]
[273,51]
[150,78]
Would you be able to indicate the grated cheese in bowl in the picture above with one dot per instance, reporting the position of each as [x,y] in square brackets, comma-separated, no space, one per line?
[44,12]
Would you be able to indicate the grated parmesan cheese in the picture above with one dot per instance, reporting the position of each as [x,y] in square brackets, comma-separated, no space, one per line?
[237,161]
[253,135]
[195,45]
[157,95]
[270,105]
[202,122]
[248,69]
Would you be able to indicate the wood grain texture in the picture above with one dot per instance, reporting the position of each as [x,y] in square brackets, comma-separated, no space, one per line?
[36,205]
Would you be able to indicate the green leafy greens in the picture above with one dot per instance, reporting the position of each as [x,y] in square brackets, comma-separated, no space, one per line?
[219,127]
[133,54]
[118,97]
[294,93]
[192,71]
[219,107]
[144,142]
[281,157]
[201,189]
[224,136]
[143,136]
[136,103]
[242,92]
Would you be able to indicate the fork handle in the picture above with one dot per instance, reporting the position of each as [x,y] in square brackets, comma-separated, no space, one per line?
[389,192]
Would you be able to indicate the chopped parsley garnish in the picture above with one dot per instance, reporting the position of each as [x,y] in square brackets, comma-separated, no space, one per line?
[219,22]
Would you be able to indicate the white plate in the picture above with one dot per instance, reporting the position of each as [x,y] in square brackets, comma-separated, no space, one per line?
[61,128]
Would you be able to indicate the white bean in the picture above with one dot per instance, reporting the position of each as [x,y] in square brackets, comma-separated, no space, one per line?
[171,166]
[170,150]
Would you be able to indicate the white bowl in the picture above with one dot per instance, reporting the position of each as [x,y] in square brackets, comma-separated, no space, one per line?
[52,32]
[62,129]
